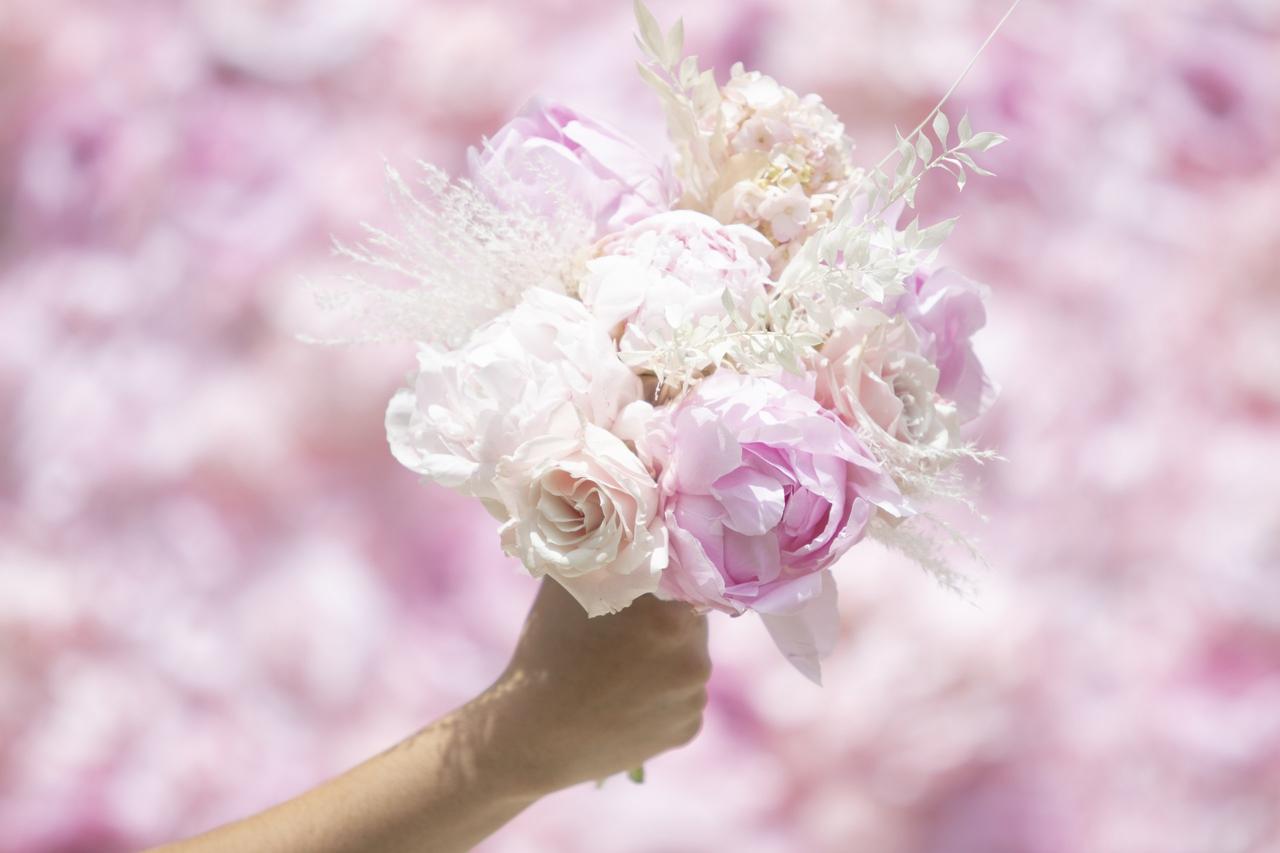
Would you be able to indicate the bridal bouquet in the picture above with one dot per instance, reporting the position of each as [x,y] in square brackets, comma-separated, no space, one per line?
[706,375]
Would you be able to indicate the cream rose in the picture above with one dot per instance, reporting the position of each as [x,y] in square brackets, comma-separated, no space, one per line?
[875,376]
[584,510]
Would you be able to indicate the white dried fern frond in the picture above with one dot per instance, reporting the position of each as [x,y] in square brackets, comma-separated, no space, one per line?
[457,259]
[923,472]
[925,539]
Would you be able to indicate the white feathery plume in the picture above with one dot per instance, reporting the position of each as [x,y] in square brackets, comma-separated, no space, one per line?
[458,259]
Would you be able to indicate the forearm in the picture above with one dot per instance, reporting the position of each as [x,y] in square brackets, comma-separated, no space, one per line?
[443,790]
[582,699]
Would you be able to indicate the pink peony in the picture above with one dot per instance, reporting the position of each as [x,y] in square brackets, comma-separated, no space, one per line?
[670,270]
[763,490]
[608,175]
[945,309]
[538,370]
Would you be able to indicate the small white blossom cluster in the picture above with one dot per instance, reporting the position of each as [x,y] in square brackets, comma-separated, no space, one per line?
[782,164]
[706,377]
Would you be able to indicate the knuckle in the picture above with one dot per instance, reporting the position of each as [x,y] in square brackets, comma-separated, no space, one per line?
[688,730]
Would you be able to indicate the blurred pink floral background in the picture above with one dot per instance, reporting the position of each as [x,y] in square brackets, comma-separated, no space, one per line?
[217,588]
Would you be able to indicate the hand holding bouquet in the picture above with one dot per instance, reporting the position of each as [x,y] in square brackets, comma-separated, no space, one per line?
[706,376]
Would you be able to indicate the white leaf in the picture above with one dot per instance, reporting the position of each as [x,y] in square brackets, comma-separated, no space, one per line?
[924,148]
[934,236]
[650,32]
[675,41]
[688,70]
[807,339]
[941,127]
[726,299]
[649,76]
[985,141]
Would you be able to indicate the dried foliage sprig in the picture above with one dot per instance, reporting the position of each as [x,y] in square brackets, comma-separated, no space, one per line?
[459,258]
[861,256]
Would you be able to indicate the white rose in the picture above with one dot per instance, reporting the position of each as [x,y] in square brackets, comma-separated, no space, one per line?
[538,370]
[875,376]
[584,510]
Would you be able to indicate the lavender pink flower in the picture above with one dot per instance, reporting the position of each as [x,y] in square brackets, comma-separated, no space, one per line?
[589,164]
[762,491]
[945,309]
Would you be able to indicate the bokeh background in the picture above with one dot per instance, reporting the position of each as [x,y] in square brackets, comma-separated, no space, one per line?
[216,588]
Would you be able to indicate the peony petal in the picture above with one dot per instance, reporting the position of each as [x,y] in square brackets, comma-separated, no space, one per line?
[614,288]
[807,632]
[753,502]
[692,576]
[800,494]
[707,451]
[752,558]
[804,520]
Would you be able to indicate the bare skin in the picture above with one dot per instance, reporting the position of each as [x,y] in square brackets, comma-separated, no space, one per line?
[582,699]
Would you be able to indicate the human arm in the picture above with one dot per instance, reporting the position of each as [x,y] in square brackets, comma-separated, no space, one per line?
[582,699]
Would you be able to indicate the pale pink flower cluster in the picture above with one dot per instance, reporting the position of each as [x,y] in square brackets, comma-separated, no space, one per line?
[783,162]
[728,483]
